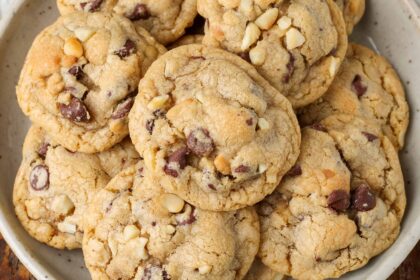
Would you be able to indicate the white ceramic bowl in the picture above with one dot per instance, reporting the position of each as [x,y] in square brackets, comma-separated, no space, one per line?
[391,27]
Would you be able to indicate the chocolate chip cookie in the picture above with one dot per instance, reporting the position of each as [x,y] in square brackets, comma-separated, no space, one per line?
[353,11]
[80,78]
[212,130]
[54,185]
[166,20]
[297,45]
[135,230]
[367,86]
[339,206]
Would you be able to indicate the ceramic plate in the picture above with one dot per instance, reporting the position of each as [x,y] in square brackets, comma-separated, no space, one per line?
[391,27]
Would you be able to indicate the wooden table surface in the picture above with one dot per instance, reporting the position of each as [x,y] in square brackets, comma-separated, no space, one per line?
[12,269]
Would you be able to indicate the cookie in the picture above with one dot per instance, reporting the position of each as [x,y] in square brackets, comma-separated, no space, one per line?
[166,20]
[135,230]
[296,45]
[187,40]
[366,86]
[54,185]
[339,206]
[260,271]
[212,130]
[353,11]
[69,84]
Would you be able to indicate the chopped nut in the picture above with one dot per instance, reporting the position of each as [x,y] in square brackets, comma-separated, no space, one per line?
[257,55]
[222,164]
[73,47]
[130,232]
[204,269]
[294,38]
[113,246]
[170,229]
[68,61]
[263,124]
[62,205]
[252,33]
[334,66]
[66,227]
[172,203]
[64,98]
[158,102]
[284,22]
[246,6]
[267,19]
[262,168]
[229,4]
[84,33]
[142,241]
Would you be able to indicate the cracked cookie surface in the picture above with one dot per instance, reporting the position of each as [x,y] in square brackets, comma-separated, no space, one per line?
[135,230]
[166,20]
[296,45]
[69,85]
[353,11]
[340,205]
[366,86]
[212,130]
[53,186]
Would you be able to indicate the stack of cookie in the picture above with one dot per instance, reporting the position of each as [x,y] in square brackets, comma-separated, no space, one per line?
[266,146]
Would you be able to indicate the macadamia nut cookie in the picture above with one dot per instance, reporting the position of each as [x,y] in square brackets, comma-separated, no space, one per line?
[80,78]
[212,130]
[339,206]
[135,230]
[296,45]
[54,186]
[367,86]
[166,20]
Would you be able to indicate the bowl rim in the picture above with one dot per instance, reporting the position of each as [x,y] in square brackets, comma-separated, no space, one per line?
[41,272]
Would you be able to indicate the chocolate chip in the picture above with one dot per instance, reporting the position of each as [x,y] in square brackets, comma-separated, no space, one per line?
[290,69]
[128,49]
[94,5]
[339,200]
[76,71]
[43,149]
[370,137]
[153,272]
[140,12]
[75,111]
[363,199]
[200,143]
[319,127]
[187,217]
[176,162]
[39,177]
[295,171]
[250,121]
[211,186]
[122,109]
[358,87]
[245,56]
[242,169]
[150,124]
[140,171]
